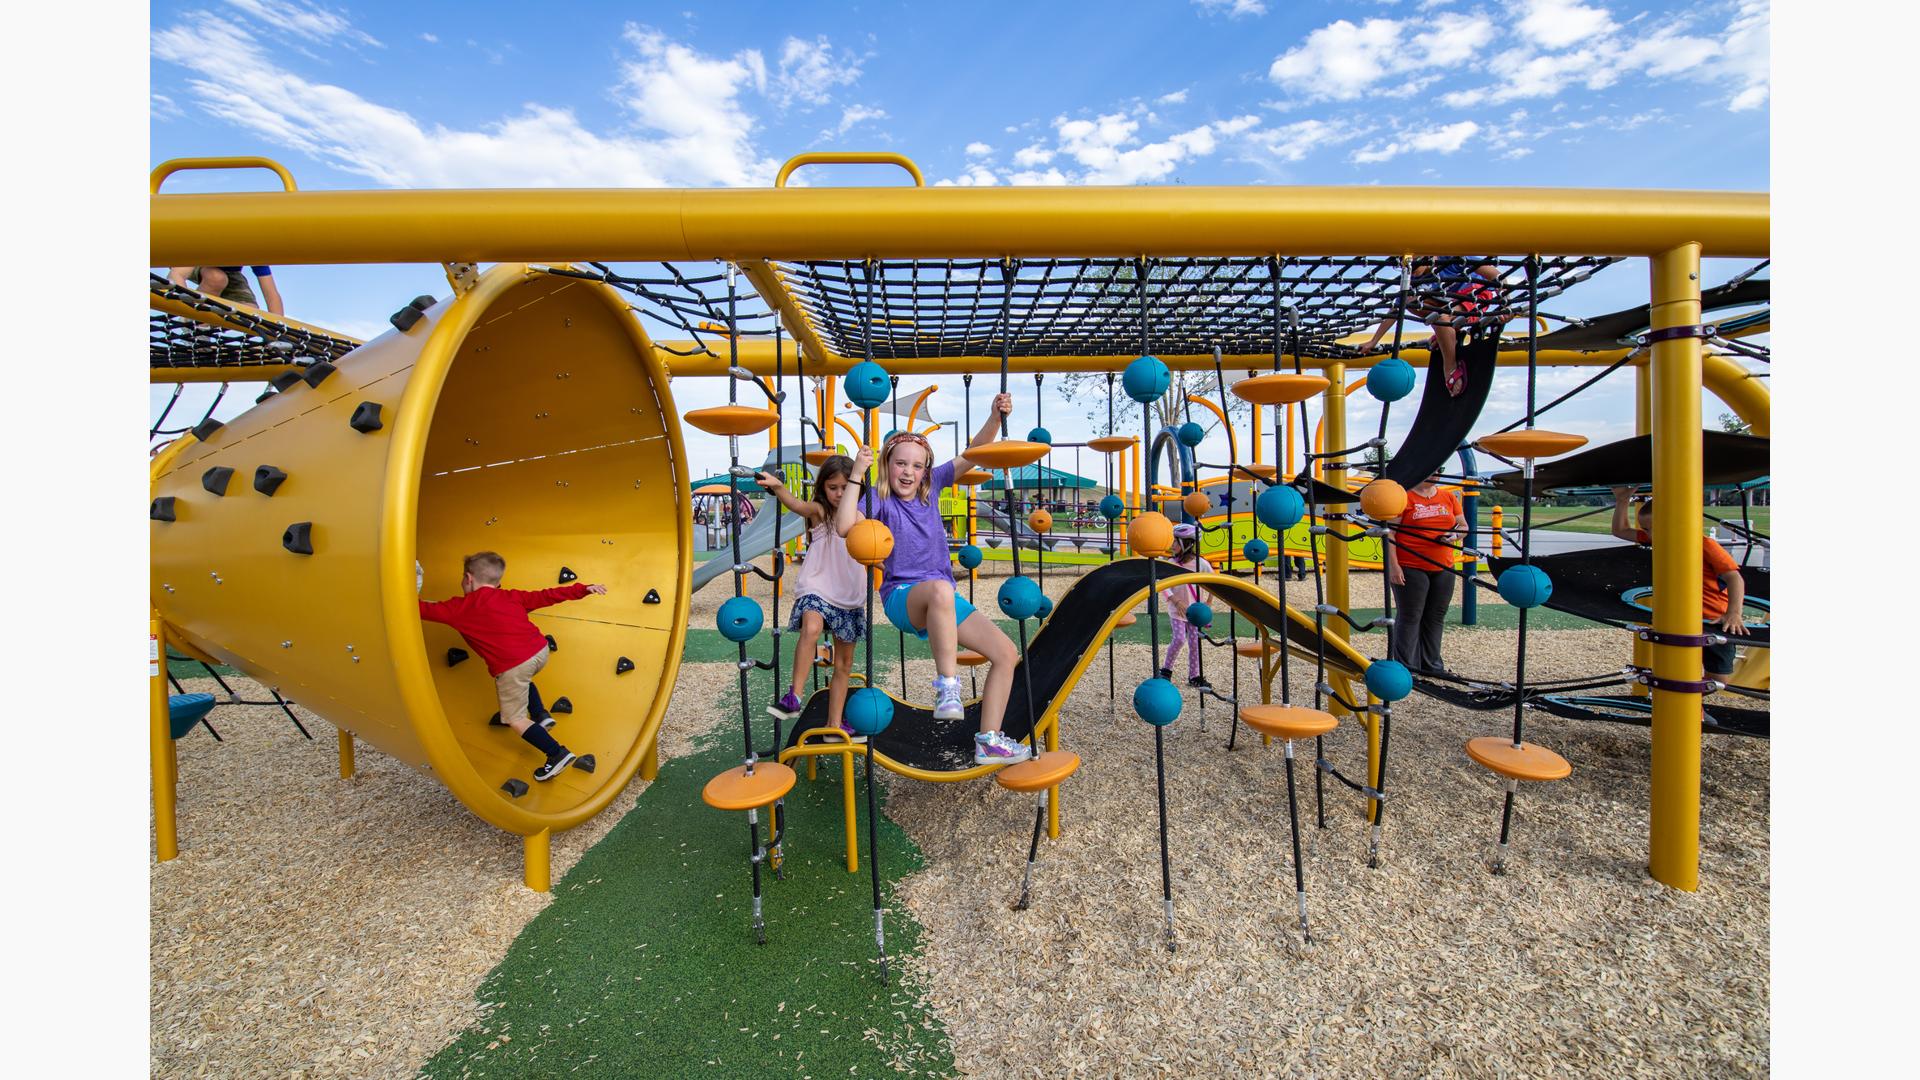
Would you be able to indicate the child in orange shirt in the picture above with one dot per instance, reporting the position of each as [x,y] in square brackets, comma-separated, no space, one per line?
[1723,592]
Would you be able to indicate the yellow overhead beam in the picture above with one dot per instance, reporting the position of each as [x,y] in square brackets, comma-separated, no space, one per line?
[858,223]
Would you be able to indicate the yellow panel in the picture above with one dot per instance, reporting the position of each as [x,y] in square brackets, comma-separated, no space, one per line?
[595,485]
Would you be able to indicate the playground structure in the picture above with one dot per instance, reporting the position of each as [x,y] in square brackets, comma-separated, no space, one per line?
[485,432]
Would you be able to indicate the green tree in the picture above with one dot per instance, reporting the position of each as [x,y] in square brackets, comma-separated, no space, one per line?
[1730,422]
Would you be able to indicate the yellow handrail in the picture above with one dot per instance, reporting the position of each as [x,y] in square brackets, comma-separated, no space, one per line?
[837,157]
[168,168]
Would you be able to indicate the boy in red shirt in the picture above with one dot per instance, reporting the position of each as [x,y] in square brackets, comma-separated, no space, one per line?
[494,621]
[1723,592]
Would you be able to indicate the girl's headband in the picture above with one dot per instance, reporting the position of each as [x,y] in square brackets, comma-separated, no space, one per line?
[904,436]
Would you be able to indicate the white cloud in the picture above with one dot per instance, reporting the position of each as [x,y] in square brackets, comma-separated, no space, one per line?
[809,70]
[163,108]
[1233,9]
[1029,156]
[1106,150]
[1343,61]
[429,38]
[1549,47]
[1555,24]
[1440,140]
[1104,147]
[696,131]
[1744,55]
[975,176]
[1293,142]
[854,115]
[302,20]
[978,149]
[1178,97]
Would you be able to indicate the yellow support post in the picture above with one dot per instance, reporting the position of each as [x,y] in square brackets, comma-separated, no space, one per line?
[650,763]
[346,754]
[849,820]
[1674,819]
[539,856]
[166,834]
[1642,424]
[1339,587]
[1053,793]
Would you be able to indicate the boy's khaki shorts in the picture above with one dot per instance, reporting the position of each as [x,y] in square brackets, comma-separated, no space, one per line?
[512,684]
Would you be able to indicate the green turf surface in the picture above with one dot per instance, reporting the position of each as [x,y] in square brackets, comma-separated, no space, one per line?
[645,963]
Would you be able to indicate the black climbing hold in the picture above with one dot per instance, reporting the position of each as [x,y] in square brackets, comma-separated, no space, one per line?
[404,319]
[625,665]
[267,479]
[215,479]
[561,705]
[652,597]
[584,763]
[454,656]
[204,430]
[515,787]
[162,509]
[298,538]
[552,645]
[495,721]
[264,395]
[366,418]
[317,372]
[286,380]
[567,576]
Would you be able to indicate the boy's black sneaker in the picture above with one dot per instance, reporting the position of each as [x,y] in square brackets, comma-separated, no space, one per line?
[1166,673]
[1200,682]
[554,766]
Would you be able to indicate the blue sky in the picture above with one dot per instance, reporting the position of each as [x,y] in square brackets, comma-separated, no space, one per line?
[1495,92]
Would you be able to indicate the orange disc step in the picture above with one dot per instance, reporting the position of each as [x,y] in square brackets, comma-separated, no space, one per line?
[732,420]
[1107,444]
[1279,388]
[1528,761]
[1287,721]
[1006,454]
[1035,774]
[1530,444]
[1256,649]
[968,658]
[735,789]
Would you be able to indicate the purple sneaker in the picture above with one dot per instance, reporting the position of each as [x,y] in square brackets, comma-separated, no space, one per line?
[994,748]
[787,708]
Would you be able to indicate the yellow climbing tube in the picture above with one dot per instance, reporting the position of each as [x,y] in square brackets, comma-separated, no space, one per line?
[528,416]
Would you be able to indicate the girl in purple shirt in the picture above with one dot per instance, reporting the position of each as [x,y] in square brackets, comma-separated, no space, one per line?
[916,584]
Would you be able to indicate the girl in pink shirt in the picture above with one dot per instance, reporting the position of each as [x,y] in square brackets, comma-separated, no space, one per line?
[1186,553]
[830,591]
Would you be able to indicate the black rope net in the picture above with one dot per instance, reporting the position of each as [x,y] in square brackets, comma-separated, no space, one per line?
[1091,307]
[690,300]
[175,341]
